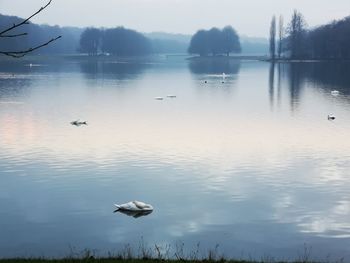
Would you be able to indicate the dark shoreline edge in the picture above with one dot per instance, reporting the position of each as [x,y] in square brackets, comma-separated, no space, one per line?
[139,260]
[262,58]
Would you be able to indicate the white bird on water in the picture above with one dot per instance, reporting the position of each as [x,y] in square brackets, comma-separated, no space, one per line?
[223,78]
[135,206]
[335,92]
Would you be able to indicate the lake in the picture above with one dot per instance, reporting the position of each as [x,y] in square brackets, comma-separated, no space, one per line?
[251,166]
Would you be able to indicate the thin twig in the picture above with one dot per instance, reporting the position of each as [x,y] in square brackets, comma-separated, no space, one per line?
[19,54]
[16,35]
[26,21]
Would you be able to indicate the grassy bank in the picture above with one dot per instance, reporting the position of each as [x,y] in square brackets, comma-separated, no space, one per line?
[116,260]
[126,257]
[168,254]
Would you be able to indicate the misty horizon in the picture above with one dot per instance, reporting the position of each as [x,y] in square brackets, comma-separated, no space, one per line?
[163,16]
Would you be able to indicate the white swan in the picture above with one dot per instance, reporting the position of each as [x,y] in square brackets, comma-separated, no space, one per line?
[223,78]
[135,206]
[158,98]
[335,92]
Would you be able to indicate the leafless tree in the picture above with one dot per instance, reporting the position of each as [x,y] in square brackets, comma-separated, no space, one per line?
[297,31]
[8,33]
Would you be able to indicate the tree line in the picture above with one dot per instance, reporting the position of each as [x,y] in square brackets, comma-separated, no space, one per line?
[15,30]
[28,36]
[296,41]
[118,41]
[215,42]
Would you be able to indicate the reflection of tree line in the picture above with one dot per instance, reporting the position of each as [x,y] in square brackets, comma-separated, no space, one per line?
[327,76]
[115,70]
[214,66]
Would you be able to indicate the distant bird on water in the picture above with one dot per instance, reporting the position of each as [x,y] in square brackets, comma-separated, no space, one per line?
[331,117]
[335,92]
[223,78]
[78,123]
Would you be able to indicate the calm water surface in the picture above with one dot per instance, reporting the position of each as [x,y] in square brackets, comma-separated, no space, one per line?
[251,164]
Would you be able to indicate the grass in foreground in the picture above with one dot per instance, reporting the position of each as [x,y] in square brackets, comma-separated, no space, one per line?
[158,254]
[116,260]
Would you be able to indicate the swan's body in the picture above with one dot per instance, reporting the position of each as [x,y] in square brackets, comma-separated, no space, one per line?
[171,96]
[158,98]
[134,206]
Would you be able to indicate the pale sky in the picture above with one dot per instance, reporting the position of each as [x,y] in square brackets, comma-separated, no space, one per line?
[248,17]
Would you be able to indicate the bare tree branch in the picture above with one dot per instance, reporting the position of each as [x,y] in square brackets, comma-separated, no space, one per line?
[25,21]
[16,35]
[19,54]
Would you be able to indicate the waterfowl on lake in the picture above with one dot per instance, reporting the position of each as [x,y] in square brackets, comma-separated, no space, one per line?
[223,78]
[134,206]
[331,117]
[158,98]
[335,92]
[171,96]
[78,123]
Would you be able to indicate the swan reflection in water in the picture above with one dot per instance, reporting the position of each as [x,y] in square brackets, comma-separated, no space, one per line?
[134,214]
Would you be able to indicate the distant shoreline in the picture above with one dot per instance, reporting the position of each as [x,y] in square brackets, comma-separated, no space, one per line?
[236,57]
[82,57]
[262,58]
[288,60]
